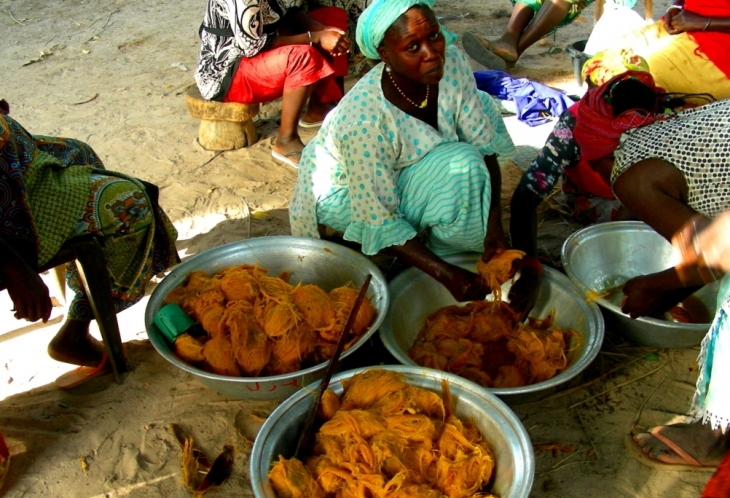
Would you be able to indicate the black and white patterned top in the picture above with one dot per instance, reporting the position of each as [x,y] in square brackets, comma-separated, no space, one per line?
[251,24]
[697,142]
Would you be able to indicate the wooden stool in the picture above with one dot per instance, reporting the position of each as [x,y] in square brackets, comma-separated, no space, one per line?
[223,125]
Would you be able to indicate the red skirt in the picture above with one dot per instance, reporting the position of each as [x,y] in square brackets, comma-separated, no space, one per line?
[264,77]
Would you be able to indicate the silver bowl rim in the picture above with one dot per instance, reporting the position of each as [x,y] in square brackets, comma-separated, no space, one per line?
[189,265]
[618,226]
[525,444]
[593,347]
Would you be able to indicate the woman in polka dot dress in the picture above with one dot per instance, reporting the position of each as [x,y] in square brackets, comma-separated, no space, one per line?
[411,149]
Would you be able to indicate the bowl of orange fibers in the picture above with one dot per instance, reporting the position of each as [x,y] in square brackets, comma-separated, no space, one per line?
[307,261]
[499,430]
[415,296]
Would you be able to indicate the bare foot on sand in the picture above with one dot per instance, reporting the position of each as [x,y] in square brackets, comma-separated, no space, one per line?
[73,344]
[705,445]
[504,49]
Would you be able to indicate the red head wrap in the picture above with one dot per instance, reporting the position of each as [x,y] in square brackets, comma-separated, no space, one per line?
[596,131]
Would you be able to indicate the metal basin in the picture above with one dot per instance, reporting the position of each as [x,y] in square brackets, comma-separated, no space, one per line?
[515,460]
[605,256]
[312,261]
[414,295]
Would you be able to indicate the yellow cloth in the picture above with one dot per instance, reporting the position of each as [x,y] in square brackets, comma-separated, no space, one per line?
[675,62]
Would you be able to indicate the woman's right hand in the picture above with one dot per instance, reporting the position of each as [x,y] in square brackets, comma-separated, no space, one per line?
[30,296]
[332,40]
[465,285]
[684,20]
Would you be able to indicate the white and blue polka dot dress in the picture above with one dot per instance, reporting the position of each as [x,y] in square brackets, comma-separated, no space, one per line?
[350,173]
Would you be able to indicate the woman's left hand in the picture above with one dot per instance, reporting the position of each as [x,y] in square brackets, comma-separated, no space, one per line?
[686,21]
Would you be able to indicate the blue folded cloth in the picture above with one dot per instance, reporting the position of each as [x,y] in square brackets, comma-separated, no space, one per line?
[536,103]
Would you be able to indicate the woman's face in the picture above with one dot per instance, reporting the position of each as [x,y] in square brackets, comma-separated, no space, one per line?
[414,46]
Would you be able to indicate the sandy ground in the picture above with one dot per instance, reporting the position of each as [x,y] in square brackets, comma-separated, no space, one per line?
[111,73]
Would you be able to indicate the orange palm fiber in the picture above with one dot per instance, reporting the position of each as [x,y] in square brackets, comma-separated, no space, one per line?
[219,358]
[278,319]
[291,479]
[344,299]
[188,348]
[275,289]
[239,284]
[491,320]
[364,389]
[276,367]
[426,355]
[213,320]
[411,400]
[251,345]
[315,305]
[498,270]
[465,463]
[356,423]
[329,405]
[295,346]
[210,296]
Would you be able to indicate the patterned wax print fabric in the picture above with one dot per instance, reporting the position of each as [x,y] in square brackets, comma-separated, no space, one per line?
[679,63]
[711,402]
[250,22]
[559,153]
[53,194]
[118,207]
[697,142]
[366,142]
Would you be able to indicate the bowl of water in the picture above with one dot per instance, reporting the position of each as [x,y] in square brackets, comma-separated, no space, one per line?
[600,259]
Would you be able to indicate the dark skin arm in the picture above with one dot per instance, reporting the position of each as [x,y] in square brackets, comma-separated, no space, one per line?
[679,21]
[25,287]
[523,230]
[327,38]
[463,284]
[656,192]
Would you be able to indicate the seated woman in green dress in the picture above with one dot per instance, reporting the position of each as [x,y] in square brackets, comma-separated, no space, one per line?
[412,149]
[55,189]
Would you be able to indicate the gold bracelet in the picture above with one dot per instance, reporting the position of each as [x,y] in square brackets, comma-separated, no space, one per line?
[707,25]
[309,34]
[674,7]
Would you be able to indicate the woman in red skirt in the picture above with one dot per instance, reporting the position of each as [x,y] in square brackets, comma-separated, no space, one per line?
[256,51]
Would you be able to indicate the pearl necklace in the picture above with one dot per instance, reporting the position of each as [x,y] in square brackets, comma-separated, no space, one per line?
[422,105]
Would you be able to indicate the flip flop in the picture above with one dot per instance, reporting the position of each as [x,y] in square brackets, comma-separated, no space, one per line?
[284,158]
[636,451]
[477,50]
[307,124]
[82,375]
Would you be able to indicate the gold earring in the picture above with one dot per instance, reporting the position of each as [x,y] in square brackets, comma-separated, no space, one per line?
[387,68]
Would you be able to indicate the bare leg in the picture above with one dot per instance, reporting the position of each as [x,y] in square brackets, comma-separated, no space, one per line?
[292,105]
[506,45]
[701,442]
[317,110]
[73,344]
[549,15]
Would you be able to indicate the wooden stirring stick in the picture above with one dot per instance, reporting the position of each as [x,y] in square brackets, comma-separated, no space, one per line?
[306,434]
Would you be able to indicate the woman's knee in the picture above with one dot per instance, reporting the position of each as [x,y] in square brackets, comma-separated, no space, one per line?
[305,59]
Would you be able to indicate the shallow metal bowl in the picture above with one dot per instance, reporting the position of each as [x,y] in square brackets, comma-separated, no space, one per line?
[515,460]
[605,256]
[415,295]
[312,261]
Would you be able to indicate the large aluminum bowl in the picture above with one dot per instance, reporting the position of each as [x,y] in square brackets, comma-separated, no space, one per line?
[415,295]
[605,256]
[312,261]
[515,460]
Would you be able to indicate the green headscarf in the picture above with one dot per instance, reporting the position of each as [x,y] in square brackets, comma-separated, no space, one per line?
[379,16]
